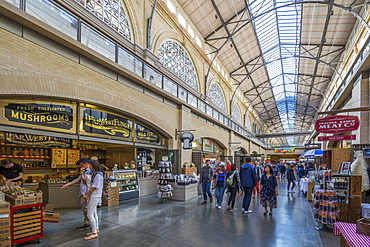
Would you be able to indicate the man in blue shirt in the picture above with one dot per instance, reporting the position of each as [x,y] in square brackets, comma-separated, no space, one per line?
[84,171]
[248,180]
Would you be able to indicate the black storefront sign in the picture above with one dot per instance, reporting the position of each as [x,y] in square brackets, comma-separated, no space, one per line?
[47,115]
[144,134]
[103,123]
[37,141]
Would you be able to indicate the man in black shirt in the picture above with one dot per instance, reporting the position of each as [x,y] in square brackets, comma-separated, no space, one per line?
[12,172]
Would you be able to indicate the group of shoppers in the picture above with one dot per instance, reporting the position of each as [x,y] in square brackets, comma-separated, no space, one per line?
[90,193]
[246,179]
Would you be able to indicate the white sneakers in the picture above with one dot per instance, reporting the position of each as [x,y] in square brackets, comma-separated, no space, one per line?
[291,191]
[219,207]
[247,212]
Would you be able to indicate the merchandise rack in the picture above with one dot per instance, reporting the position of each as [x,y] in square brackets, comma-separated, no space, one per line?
[26,223]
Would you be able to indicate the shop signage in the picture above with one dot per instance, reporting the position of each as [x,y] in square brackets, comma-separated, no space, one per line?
[284,150]
[36,140]
[337,124]
[337,138]
[208,145]
[45,114]
[144,134]
[103,123]
[256,155]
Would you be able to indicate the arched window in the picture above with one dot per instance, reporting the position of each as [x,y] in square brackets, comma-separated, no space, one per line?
[111,12]
[235,112]
[247,122]
[217,97]
[175,59]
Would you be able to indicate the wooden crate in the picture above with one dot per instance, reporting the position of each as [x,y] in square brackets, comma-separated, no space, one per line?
[25,224]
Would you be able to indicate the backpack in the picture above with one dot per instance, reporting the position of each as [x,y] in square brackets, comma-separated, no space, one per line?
[230,180]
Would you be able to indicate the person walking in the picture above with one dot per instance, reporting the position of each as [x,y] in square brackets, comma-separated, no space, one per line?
[220,185]
[93,196]
[248,180]
[283,171]
[233,186]
[206,175]
[269,190]
[291,178]
[84,172]
[256,189]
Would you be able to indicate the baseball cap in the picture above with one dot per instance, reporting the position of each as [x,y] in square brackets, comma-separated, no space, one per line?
[83,160]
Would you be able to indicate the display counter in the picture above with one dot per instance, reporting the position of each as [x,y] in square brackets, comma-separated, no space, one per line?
[31,186]
[61,198]
[148,186]
[184,192]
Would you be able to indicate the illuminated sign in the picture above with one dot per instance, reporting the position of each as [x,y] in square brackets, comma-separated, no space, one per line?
[284,150]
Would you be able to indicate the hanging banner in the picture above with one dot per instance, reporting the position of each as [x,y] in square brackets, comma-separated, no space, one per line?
[337,124]
[36,140]
[107,124]
[144,134]
[48,115]
[337,138]
[284,150]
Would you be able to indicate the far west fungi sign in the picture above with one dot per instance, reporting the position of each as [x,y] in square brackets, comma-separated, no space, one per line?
[337,124]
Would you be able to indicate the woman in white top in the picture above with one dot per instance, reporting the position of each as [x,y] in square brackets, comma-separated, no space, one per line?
[93,196]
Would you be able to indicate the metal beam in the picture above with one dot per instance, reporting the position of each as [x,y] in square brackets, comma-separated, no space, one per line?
[274,135]
[366,108]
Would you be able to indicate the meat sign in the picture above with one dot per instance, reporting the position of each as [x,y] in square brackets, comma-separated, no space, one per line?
[337,124]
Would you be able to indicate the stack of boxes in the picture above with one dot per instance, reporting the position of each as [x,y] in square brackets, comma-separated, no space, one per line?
[110,194]
[4,223]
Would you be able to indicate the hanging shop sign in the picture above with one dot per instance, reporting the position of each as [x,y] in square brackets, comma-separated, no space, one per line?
[144,134]
[36,140]
[284,150]
[337,138]
[337,124]
[48,115]
[106,124]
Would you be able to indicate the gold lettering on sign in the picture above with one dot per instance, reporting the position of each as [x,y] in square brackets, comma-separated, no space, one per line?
[41,117]
[110,126]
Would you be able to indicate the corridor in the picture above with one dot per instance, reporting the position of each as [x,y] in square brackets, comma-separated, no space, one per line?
[149,221]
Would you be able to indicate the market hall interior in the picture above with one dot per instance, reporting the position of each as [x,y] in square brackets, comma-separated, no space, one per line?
[125,81]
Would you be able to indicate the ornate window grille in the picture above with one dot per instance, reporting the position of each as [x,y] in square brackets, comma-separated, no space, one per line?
[110,12]
[236,113]
[175,59]
[217,97]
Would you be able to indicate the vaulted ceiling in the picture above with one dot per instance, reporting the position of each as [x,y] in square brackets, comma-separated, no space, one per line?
[281,53]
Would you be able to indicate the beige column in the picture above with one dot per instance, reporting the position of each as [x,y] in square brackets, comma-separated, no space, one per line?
[364,136]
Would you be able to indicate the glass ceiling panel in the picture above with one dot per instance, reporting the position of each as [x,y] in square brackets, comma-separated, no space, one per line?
[278,33]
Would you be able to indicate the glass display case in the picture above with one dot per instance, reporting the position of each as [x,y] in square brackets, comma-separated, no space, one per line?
[128,183]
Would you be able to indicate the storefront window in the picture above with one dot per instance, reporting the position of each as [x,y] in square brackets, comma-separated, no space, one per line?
[197,144]
[208,146]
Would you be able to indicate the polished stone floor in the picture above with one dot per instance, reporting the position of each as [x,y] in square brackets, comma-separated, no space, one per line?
[150,221]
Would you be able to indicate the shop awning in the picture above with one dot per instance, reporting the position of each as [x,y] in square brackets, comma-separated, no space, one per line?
[312,153]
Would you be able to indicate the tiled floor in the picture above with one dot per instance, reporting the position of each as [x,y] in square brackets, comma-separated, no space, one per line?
[150,221]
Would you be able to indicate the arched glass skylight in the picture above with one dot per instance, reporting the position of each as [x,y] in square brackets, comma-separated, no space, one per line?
[278,33]
[217,96]
[236,113]
[175,59]
[111,12]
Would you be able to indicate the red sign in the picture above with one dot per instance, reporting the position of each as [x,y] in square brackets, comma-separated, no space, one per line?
[337,138]
[337,124]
